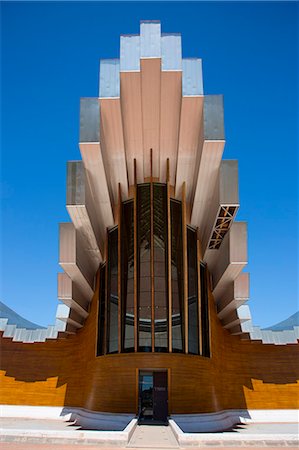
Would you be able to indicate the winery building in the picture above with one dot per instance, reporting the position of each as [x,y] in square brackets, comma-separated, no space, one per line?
[153,318]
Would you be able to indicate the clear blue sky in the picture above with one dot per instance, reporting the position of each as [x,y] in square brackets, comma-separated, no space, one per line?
[50,58]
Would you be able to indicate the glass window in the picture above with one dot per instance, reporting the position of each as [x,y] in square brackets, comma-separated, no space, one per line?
[204,311]
[144,267]
[177,277]
[193,346]
[101,311]
[112,292]
[160,267]
[127,275]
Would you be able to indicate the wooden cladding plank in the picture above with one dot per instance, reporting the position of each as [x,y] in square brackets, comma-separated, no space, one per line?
[185,263]
[131,106]
[136,324]
[169,264]
[119,267]
[150,99]
[152,260]
[199,298]
[254,375]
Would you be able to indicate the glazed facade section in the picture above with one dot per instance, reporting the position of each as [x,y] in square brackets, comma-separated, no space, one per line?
[142,287]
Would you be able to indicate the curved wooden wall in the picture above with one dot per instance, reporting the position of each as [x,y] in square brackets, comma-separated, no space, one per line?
[239,374]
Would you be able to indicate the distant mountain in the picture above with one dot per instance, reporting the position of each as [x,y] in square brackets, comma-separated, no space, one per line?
[16,319]
[288,324]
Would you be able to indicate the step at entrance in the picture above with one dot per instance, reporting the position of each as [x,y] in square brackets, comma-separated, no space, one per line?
[153,436]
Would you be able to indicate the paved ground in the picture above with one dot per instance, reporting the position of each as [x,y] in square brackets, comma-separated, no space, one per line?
[42,424]
[153,437]
[10,423]
[19,446]
[145,436]
[265,428]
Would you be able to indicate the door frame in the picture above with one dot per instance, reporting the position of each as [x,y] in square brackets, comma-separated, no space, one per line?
[152,369]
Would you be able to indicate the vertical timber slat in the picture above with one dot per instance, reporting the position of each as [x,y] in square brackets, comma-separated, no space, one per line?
[169,392]
[169,261]
[185,264]
[119,268]
[199,296]
[135,263]
[152,252]
[137,392]
[106,299]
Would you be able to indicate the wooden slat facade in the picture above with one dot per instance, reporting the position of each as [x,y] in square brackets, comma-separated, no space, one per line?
[240,374]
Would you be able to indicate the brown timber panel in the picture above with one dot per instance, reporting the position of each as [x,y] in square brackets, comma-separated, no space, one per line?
[240,374]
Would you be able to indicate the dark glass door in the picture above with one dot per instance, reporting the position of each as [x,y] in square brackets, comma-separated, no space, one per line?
[146,384]
[153,397]
[160,397]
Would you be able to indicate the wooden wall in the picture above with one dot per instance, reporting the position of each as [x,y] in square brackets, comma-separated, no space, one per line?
[239,374]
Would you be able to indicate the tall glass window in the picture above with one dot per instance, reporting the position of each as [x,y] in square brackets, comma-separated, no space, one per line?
[205,333]
[177,277]
[151,260]
[160,267]
[193,344]
[144,268]
[101,313]
[127,276]
[112,292]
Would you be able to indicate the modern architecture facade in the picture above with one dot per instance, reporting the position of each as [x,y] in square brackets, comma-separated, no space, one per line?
[153,318]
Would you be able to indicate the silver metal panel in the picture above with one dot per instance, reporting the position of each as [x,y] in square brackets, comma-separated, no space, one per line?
[228,182]
[213,117]
[109,78]
[3,323]
[75,193]
[9,331]
[192,77]
[19,334]
[52,332]
[171,50]
[238,316]
[89,120]
[243,313]
[130,53]
[289,336]
[150,39]
[66,314]
[60,326]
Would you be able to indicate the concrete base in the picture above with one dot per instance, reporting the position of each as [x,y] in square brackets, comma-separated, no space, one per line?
[87,427]
[208,429]
[224,420]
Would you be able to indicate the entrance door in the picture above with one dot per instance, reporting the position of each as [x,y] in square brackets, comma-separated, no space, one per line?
[153,396]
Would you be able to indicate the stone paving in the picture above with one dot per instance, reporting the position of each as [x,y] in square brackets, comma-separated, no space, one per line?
[21,434]
[149,436]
